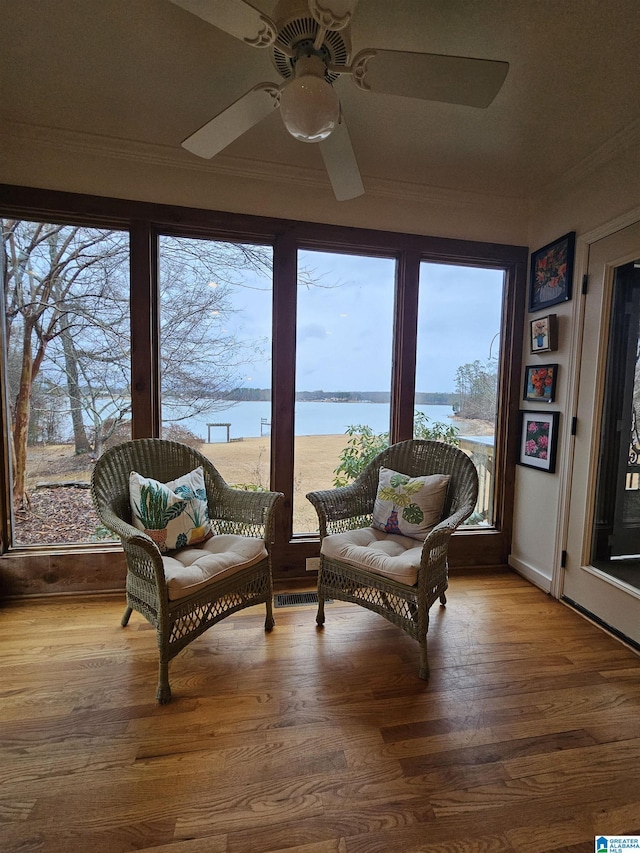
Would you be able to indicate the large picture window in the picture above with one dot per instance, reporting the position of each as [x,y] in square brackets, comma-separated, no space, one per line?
[268,344]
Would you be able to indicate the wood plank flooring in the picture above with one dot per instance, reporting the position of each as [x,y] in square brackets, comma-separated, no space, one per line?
[527,737]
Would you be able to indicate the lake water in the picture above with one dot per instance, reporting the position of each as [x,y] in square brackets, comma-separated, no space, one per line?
[315,418]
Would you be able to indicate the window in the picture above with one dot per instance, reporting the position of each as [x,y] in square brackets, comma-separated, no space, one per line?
[185,330]
[215,353]
[343,366]
[67,368]
[458,356]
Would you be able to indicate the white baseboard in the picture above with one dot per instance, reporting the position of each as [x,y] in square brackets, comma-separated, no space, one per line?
[530,573]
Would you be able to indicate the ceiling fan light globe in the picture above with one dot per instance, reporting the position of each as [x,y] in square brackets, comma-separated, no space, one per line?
[310,108]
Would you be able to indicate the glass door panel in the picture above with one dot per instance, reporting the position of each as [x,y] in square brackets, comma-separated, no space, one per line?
[600,576]
[616,529]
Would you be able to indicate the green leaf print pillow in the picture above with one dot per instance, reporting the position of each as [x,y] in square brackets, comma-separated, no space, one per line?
[409,506]
[173,514]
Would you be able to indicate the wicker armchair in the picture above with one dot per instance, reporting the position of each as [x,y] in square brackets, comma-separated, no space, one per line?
[350,508]
[179,616]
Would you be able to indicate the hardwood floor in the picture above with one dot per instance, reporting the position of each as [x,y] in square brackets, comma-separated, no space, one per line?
[527,737]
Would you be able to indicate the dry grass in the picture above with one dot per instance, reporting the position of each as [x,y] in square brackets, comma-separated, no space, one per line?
[239,462]
[248,461]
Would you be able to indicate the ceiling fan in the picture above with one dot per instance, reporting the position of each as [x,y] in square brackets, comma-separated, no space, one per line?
[310,46]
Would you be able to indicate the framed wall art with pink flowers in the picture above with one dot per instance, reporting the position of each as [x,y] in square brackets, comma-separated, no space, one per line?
[551,273]
[539,440]
[540,383]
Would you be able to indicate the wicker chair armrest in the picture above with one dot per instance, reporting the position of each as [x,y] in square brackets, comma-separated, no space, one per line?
[143,555]
[433,564]
[252,513]
[122,528]
[452,522]
[345,504]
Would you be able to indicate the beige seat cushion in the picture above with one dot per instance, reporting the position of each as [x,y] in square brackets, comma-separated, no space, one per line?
[189,569]
[396,557]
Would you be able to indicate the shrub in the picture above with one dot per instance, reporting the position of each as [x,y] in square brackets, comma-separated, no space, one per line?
[121,432]
[364,445]
[176,432]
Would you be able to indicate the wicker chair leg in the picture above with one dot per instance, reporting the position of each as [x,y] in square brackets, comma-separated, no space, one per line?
[424,661]
[269,622]
[163,694]
[125,618]
[443,599]
[320,614]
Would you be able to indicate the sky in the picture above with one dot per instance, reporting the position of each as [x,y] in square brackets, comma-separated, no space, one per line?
[344,329]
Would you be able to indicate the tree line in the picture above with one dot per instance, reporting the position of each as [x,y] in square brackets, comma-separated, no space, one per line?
[264,395]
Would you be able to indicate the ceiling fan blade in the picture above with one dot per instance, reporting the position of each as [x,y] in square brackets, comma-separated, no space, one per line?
[231,123]
[340,162]
[430,76]
[236,17]
[332,14]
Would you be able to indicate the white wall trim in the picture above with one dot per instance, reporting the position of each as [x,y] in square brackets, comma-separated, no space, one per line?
[568,440]
[608,228]
[628,137]
[531,573]
[166,156]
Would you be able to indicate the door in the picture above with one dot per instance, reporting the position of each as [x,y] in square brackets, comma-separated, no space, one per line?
[603,540]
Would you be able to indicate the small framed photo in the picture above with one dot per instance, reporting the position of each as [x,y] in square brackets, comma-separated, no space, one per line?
[544,334]
[540,383]
[539,440]
[552,273]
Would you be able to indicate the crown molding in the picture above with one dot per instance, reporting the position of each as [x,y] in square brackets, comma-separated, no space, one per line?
[165,156]
[625,139]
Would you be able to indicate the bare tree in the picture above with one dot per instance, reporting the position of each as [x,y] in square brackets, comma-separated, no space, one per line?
[67,326]
[42,264]
[201,359]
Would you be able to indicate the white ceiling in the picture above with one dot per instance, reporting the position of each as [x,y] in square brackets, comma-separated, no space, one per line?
[146,71]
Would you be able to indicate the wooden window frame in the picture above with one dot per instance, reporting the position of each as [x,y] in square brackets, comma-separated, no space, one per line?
[146,221]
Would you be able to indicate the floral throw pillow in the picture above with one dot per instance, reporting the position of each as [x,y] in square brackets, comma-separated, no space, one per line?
[409,506]
[173,514]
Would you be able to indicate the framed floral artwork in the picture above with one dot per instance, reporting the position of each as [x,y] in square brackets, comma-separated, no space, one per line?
[539,440]
[544,334]
[552,273]
[540,383]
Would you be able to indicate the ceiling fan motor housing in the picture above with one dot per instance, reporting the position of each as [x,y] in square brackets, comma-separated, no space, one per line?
[297,29]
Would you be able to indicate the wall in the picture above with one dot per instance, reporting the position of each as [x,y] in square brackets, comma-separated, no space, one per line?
[599,196]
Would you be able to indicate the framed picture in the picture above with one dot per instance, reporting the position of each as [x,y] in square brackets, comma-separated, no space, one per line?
[540,383]
[538,440]
[544,334]
[552,273]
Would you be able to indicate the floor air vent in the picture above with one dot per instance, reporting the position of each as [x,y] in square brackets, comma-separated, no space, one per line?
[293,599]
